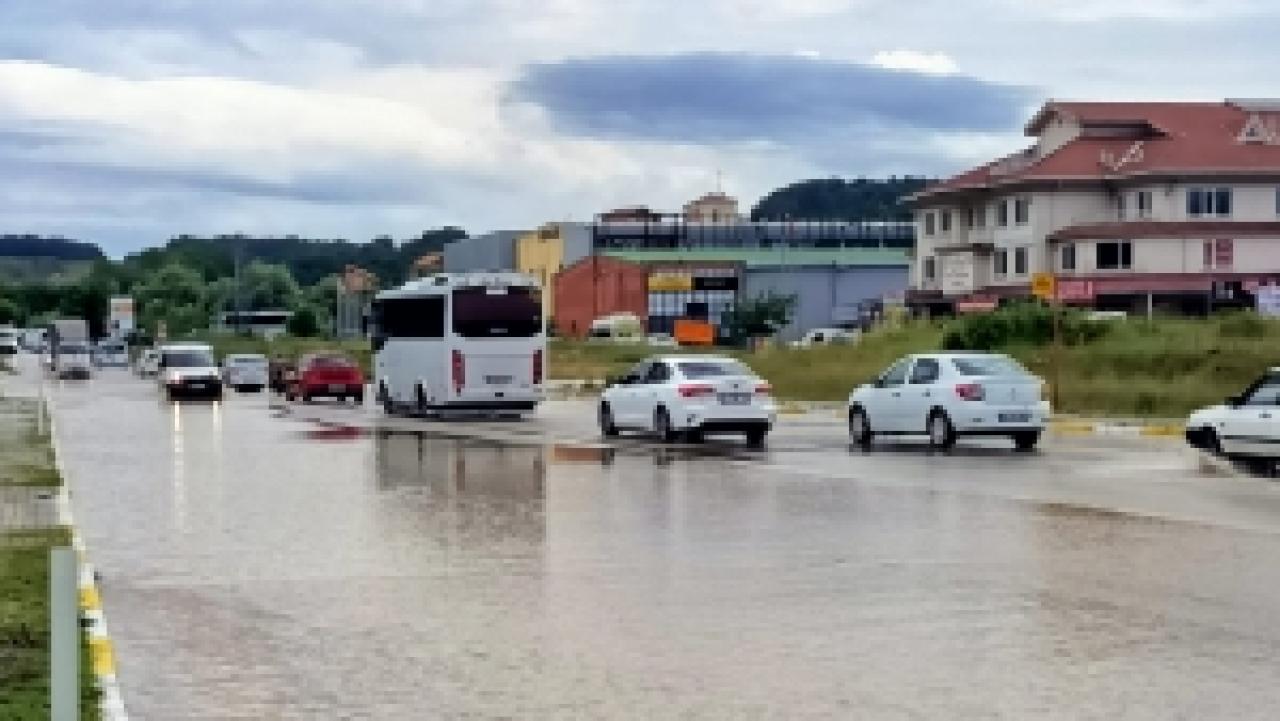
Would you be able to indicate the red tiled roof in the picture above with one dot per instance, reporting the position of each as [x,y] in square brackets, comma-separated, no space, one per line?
[1183,138]
[1161,229]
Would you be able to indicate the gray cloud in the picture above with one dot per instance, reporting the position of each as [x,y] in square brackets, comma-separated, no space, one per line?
[721,97]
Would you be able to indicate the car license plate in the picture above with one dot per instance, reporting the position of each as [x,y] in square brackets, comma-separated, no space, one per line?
[735,399]
[1015,417]
[497,380]
[196,384]
[336,388]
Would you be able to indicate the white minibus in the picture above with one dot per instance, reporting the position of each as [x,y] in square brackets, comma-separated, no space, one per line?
[460,342]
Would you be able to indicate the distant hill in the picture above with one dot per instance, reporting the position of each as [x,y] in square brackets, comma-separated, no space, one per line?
[310,260]
[838,199]
[35,246]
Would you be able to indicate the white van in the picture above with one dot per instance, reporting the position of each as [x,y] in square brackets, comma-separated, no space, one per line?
[460,341]
[73,360]
[188,369]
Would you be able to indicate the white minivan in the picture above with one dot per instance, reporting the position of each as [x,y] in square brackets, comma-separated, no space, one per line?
[1246,425]
[460,342]
[948,395]
[245,372]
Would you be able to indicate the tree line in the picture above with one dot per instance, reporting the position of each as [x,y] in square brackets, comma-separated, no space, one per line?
[190,280]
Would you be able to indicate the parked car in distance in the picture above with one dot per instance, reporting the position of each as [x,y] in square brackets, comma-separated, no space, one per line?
[148,363]
[326,375]
[661,340]
[689,396]
[1246,425]
[74,360]
[188,369]
[950,395]
[826,336]
[111,354]
[245,372]
[279,369]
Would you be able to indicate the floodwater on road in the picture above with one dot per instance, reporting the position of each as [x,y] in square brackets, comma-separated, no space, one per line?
[259,565]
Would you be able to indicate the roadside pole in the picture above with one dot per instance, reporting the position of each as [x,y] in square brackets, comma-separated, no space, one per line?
[64,636]
[1057,347]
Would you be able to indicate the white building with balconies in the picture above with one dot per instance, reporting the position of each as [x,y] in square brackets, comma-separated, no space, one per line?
[1130,205]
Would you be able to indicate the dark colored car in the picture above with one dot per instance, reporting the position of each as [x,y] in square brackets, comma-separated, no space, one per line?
[326,375]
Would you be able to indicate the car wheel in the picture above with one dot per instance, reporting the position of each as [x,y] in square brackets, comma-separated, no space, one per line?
[860,428]
[1026,440]
[608,428]
[942,435]
[358,399]
[420,400]
[1212,443]
[694,435]
[662,426]
[388,405]
[755,438]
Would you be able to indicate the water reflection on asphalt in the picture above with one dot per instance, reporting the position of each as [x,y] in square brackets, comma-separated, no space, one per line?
[257,566]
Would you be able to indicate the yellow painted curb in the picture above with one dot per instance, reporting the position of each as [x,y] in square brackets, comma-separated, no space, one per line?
[89,599]
[1076,427]
[1162,430]
[103,656]
[791,409]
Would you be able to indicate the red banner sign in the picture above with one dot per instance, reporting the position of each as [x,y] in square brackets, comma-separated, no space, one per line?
[1223,253]
[1075,290]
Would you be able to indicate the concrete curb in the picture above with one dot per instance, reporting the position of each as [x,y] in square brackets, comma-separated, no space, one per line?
[1109,428]
[101,650]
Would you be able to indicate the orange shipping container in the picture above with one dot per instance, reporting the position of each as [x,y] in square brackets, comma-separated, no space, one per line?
[694,332]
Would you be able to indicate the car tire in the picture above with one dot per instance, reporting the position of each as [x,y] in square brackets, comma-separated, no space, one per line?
[942,434]
[860,433]
[608,428]
[694,435]
[755,438]
[662,426]
[420,401]
[306,398]
[388,405]
[1026,441]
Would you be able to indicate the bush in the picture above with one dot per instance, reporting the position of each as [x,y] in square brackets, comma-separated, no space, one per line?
[1019,324]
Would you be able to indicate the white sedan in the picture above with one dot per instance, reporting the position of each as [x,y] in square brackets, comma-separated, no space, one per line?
[1247,425]
[689,396]
[947,395]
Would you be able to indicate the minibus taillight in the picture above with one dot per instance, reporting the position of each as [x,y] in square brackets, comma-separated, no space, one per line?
[459,370]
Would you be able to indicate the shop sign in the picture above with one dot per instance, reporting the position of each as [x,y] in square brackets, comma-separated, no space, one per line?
[675,282]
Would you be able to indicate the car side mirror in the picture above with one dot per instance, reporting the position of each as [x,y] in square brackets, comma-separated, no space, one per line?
[879,383]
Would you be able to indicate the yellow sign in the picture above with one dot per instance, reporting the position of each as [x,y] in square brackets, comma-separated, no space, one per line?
[679,282]
[1043,285]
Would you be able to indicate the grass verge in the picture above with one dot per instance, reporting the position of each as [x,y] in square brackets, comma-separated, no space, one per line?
[26,460]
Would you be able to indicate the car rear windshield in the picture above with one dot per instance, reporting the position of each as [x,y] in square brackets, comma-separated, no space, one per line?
[248,360]
[70,349]
[698,370]
[503,312]
[188,359]
[993,365]
[330,361]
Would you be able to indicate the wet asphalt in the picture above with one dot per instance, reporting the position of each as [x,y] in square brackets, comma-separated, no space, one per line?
[268,561]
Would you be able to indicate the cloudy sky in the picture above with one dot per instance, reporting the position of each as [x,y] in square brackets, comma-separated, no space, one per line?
[126,122]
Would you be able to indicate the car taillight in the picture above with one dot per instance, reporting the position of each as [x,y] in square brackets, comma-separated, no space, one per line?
[459,370]
[970,391]
[763,389]
[537,367]
[695,391]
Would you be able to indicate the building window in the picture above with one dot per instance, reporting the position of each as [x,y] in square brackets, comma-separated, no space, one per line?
[1068,256]
[1022,211]
[945,217]
[1020,261]
[1120,207]
[1144,203]
[1002,214]
[1002,262]
[928,223]
[976,217]
[1208,201]
[930,268]
[1277,201]
[1115,255]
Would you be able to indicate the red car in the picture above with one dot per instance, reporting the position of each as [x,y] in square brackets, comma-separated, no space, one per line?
[325,375]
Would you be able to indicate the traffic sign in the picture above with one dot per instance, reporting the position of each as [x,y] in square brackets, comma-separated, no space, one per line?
[1043,285]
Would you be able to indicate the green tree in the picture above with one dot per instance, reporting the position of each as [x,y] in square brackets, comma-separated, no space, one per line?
[266,286]
[761,315]
[10,312]
[304,323]
[175,294]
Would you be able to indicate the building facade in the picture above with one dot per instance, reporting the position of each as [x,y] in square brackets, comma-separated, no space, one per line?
[492,251]
[595,287]
[715,207]
[1132,206]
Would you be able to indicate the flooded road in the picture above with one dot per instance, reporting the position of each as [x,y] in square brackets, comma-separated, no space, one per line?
[321,563]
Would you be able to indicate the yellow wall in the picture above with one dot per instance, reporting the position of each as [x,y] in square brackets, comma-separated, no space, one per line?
[540,253]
